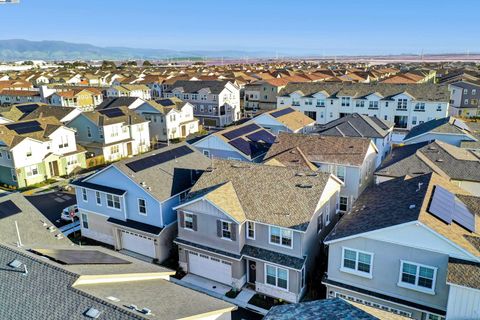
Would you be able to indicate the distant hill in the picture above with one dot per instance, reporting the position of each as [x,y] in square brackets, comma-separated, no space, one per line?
[18,49]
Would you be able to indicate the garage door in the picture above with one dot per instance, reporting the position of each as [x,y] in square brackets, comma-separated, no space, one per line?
[138,243]
[210,268]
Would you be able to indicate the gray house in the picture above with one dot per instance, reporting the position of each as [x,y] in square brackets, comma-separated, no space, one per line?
[409,246]
[268,238]
[352,160]
[464,98]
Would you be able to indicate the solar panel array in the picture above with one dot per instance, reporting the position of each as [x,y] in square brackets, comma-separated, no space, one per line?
[27,108]
[25,127]
[156,159]
[448,208]
[262,135]
[241,131]
[112,113]
[165,102]
[8,208]
[282,112]
[71,257]
[242,145]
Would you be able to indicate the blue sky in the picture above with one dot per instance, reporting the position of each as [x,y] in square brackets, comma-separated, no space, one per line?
[287,26]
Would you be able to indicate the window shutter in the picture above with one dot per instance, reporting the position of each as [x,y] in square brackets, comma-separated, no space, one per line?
[194,220]
[219,228]
[182,219]
[233,234]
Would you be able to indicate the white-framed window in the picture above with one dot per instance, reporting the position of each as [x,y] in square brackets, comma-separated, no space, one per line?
[360,103]
[341,173]
[226,230]
[206,153]
[357,262]
[29,151]
[345,101]
[465,91]
[84,220]
[84,195]
[114,149]
[188,217]
[98,198]
[343,204]
[373,104]
[250,230]
[320,102]
[417,277]
[31,171]
[280,236]
[113,201]
[402,104]
[142,207]
[276,276]
[432,316]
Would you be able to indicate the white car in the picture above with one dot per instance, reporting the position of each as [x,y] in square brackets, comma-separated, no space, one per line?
[69,212]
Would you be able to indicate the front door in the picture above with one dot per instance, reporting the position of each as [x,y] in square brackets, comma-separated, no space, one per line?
[129,149]
[54,168]
[252,271]
[184,131]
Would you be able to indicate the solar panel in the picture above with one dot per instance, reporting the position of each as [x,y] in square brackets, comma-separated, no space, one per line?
[71,257]
[282,112]
[242,145]
[442,204]
[262,135]
[463,216]
[27,108]
[8,208]
[156,159]
[165,102]
[240,131]
[112,113]
[25,127]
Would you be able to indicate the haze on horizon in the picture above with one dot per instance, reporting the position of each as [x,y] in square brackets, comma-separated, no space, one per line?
[309,27]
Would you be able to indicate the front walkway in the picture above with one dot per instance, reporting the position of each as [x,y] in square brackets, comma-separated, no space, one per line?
[218,290]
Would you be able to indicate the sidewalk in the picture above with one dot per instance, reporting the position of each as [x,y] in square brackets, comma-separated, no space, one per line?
[240,300]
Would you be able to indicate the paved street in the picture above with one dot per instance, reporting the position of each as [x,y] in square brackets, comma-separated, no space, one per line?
[52,204]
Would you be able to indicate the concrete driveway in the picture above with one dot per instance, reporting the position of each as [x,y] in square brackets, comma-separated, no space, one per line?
[51,205]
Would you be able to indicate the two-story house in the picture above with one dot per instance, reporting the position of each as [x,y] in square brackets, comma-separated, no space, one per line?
[169,118]
[8,97]
[129,90]
[245,142]
[261,96]
[268,238]
[216,103]
[352,160]
[84,99]
[285,120]
[358,125]
[409,246]
[464,99]
[33,151]
[129,204]
[114,133]
[406,105]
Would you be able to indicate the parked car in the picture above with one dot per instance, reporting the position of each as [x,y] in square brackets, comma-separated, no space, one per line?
[69,212]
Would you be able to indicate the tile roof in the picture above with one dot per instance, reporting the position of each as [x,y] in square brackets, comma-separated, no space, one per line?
[356,125]
[463,273]
[326,149]
[285,197]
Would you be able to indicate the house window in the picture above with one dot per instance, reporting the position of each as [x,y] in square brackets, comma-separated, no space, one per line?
[402,104]
[84,220]
[308,102]
[420,106]
[114,149]
[465,91]
[84,195]
[89,132]
[357,262]
[327,214]
[276,276]
[414,120]
[29,152]
[373,104]
[345,101]
[226,230]
[98,199]
[14,175]
[341,173]
[188,221]
[303,277]
[417,276]
[319,223]
[250,230]
[32,171]
[360,103]
[142,207]
[343,204]
[280,236]
[113,201]
[431,316]
[474,92]
[206,153]
[320,103]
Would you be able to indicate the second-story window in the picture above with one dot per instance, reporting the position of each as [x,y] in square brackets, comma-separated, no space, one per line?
[84,195]
[250,230]
[341,173]
[113,201]
[98,199]
[226,230]
[142,207]
[189,223]
[345,101]
[357,262]
[417,276]
[280,236]
[402,104]
[89,132]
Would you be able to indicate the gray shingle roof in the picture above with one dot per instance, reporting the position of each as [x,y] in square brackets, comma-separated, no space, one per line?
[272,256]
[116,102]
[421,92]
[442,125]
[464,273]
[194,86]
[356,125]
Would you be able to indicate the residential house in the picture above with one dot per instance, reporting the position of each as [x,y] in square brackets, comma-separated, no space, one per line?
[245,223]
[449,130]
[405,105]
[245,142]
[130,102]
[351,160]
[33,151]
[85,99]
[285,120]
[113,133]
[8,97]
[129,204]
[361,126]
[413,253]
[216,103]
[169,118]
[129,90]
[261,96]
[464,99]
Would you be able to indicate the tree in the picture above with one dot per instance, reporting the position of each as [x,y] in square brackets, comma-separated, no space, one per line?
[108,64]
[147,63]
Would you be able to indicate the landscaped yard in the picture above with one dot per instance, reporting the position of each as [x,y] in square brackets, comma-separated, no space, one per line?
[265,302]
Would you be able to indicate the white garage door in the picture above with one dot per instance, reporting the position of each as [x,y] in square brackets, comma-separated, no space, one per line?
[210,268]
[137,243]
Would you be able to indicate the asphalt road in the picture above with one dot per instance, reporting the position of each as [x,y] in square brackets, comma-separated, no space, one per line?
[52,204]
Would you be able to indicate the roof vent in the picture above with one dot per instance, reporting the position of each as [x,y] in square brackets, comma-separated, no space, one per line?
[146,311]
[432,148]
[51,228]
[143,183]
[112,298]
[295,160]
[236,165]
[439,160]
[304,186]
[412,206]
[300,174]
[210,169]
[59,236]
[93,313]
[313,174]
[15,264]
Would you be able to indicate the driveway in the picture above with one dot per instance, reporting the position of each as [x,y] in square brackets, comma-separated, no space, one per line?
[51,205]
